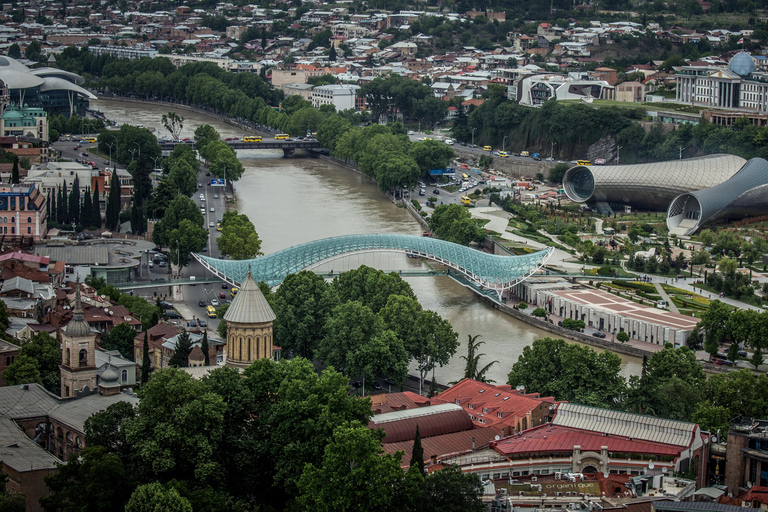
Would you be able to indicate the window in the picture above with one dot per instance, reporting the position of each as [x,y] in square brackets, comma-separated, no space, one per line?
[125,375]
[29,230]
[29,220]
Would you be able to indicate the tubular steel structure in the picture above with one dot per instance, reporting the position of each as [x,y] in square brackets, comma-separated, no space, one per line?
[743,195]
[491,271]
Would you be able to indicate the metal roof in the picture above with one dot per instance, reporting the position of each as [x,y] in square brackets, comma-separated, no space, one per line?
[744,194]
[432,420]
[633,426]
[548,438]
[75,412]
[249,305]
[54,83]
[651,185]
[685,506]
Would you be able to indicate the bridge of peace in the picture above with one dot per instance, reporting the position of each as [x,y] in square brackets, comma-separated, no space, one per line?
[490,272]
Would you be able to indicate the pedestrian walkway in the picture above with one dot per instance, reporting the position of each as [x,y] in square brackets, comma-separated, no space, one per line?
[670,304]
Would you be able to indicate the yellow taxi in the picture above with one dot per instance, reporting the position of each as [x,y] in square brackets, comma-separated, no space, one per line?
[503,154]
[487,148]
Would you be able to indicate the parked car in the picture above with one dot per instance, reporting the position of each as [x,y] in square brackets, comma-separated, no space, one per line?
[376,385]
[598,334]
[172,314]
[166,305]
[436,192]
[202,323]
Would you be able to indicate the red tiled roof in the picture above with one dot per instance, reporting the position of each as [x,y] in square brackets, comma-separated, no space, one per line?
[401,401]
[756,493]
[488,400]
[553,438]
[22,256]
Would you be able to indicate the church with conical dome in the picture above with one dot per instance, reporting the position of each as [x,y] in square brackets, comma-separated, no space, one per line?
[249,326]
[78,354]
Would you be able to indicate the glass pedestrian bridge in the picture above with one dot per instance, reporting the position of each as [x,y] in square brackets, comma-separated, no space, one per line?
[495,272]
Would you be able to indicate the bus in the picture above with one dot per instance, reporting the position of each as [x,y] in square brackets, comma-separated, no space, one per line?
[487,148]
[211,311]
[281,136]
[583,162]
[503,154]
[464,176]
[252,138]
[465,200]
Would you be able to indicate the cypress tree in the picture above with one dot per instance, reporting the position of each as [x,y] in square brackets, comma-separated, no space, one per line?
[145,365]
[85,210]
[204,347]
[52,211]
[417,454]
[15,171]
[48,203]
[113,202]
[63,204]
[74,202]
[180,357]
[95,208]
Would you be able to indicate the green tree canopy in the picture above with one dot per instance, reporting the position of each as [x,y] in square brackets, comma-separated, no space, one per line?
[120,338]
[570,372]
[238,237]
[38,361]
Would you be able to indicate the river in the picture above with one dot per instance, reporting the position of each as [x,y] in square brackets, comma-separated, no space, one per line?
[297,200]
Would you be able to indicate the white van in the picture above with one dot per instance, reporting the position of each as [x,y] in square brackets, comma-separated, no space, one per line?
[449,142]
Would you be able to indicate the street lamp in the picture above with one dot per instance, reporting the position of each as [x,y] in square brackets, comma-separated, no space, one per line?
[109,145]
[552,152]
[504,143]
[155,159]
[681,152]
[618,155]
[473,135]
[138,146]
[132,152]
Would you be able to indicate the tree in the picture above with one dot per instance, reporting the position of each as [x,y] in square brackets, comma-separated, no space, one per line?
[238,237]
[180,357]
[384,354]
[570,372]
[302,305]
[351,326]
[539,312]
[332,54]
[45,351]
[355,474]
[713,322]
[204,135]
[622,336]
[113,202]
[14,51]
[454,223]
[433,344]
[189,238]
[94,480]
[173,123]
[431,154]
[450,490]
[95,216]
[10,501]
[15,172]
[472,368]
[183,176]
[205,348]
[180,208]
[155,497]
[222,160]
[370,286]
[120,338]
[417,453]
[146,365]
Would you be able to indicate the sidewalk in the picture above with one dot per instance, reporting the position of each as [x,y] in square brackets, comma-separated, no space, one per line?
[671,305]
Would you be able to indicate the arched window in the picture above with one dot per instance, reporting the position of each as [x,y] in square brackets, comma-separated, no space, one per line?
[69,438]
[29,230]
[13,230]
[83,357]
[78,442]
[29,220]
[248,354]
[125,375]
[240,348]
[59,434]
[67,356]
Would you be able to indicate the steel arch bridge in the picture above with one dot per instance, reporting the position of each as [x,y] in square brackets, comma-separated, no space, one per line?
[487,270]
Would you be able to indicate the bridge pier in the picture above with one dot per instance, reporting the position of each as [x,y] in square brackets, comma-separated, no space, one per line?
[287,152]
